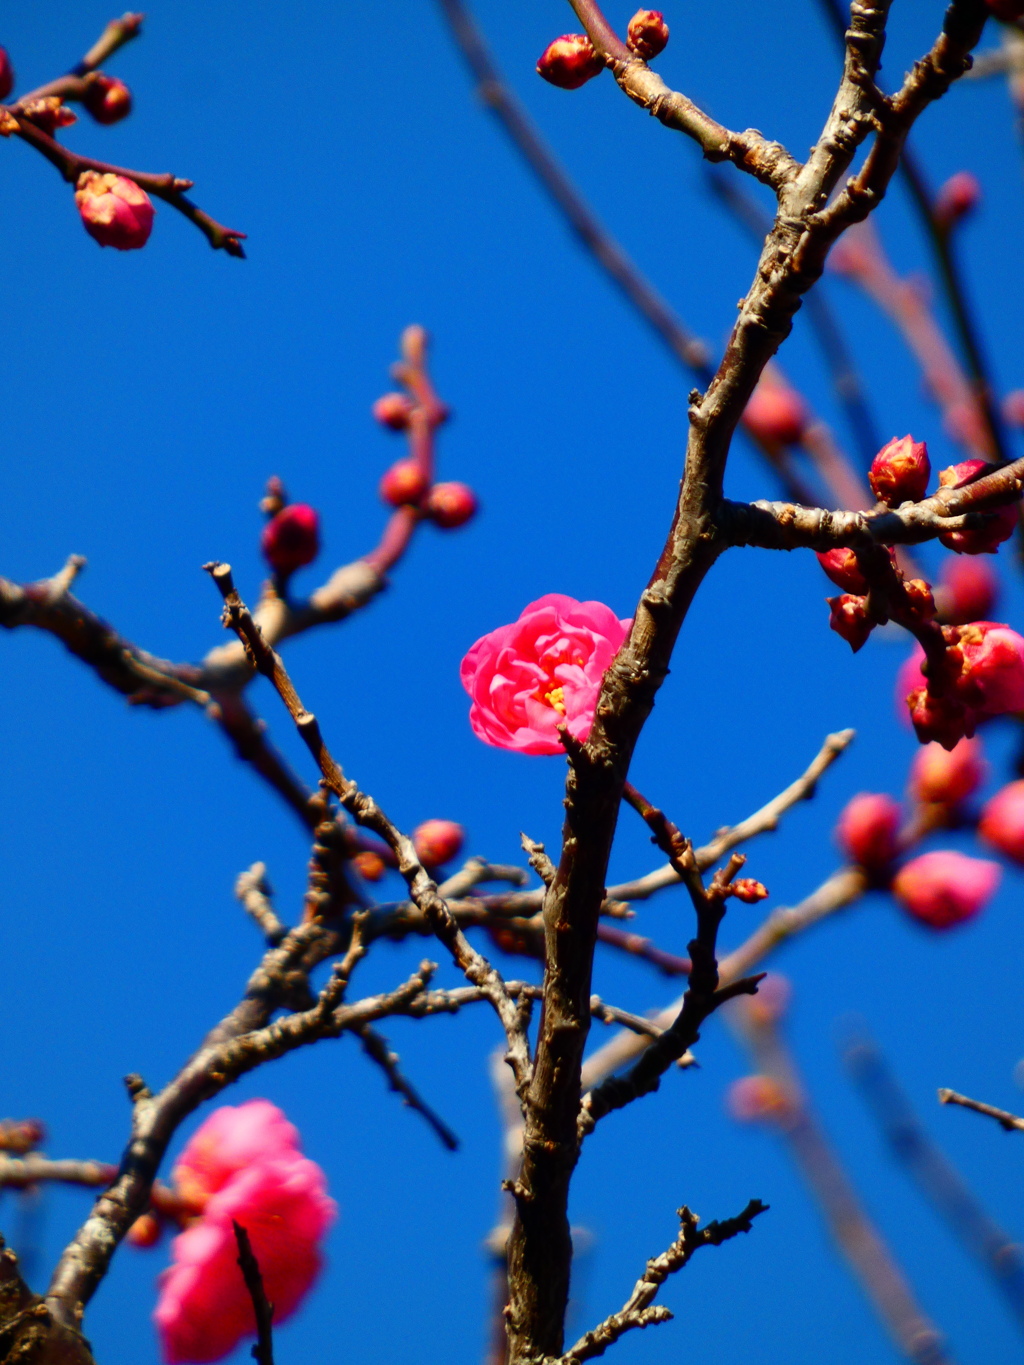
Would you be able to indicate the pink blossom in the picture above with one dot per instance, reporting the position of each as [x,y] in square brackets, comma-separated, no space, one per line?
[968,589]
[437,841]
[1001,523]
[115,211]
[868,828]
[775,412]
[542,671]
[944,888]
[204,1308]
[1002,821]
[758,1099]
[233,1138]
[992,677]
[947,778]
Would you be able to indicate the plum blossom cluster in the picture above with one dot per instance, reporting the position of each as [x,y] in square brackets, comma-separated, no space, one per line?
[243,1165]
[942,887]
[532,680]
[965,670]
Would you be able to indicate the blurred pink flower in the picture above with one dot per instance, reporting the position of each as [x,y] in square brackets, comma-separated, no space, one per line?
[115,211]
[1002,821]
[947,778]
[944,888]
[243,1165]
[543,670]
[868,828]
[233,1138]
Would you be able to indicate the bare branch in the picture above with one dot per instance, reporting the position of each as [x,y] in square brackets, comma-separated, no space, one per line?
[639,1309]
[376,1048]
[1007,1121]
[263,1311]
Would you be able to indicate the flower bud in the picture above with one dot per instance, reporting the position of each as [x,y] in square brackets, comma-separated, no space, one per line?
[370,866]
[920,599]
[115,211]
[145,1231]
[958,197]
[946,778]
[942,719]
[1002,821]
[771,1001]
[570,61]
[437,841]
[393,410]
[842,567]
[968,590]
[6,74]
[868,830]
[1001,524]
[749,891]
[107,99]
[900,471]
[944,888]
[775,413]
[274,498]
[758,1099]
[450,504]
[49,112]
[291,538]
[850,619]
[404,483]
[991,678]
[647,33]
[21,1135]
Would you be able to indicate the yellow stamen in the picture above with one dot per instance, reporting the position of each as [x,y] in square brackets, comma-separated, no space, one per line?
[555,698]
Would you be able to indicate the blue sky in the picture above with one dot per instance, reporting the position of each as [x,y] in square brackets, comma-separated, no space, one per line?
[148,396]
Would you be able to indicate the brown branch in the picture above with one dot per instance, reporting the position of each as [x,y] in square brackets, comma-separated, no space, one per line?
[934,1175]
[263,1311]
[768,161]
[376,1048]
[253,890]
[1010,1123]
[639,1310]
[783,526]
[366,812]
[869,1258]
[170,188]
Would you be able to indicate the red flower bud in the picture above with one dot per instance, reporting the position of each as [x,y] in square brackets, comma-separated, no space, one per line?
[107,99]
[942,719]
[944,888]
[1001,524]
[437,841]
[6,74]
[450,504]
[758,1099]
[850,619]
[404,483]
[21,1135]
[291,538]
[968,590]
[775,413]
[947,778]
[991,678]
[868,829]
[145,1231]
[749,891]
[49,113]
[900,471]
[114,210]
[370,866]
[958,197]
[570,61]
[842,567]
[921,601]
[393,410]
[1002,821]
[647,33]
[1007,10]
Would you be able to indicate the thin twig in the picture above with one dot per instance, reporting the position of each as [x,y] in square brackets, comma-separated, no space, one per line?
[375,1045]
[1007,1121]
[263,1311]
